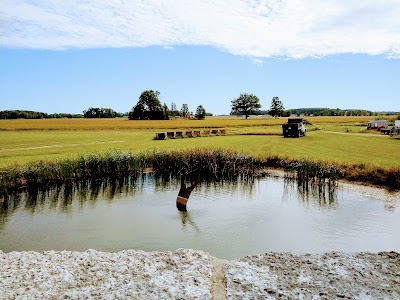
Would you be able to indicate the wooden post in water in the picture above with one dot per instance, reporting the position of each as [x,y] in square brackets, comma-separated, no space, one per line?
[184,192]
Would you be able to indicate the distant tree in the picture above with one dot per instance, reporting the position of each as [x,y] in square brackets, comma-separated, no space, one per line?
[185,111]
[173,106]
[96,112]
[166,111]
[200,113]
[286,114]
[174,111]
[246,104]
[276,108]
[148,107]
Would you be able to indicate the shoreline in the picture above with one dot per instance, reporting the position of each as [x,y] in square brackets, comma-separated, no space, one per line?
[193,274]
[368,190]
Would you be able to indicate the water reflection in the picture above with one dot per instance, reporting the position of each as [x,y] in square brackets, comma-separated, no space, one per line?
[61,198]
[187,221]
[324,195]
[228,219]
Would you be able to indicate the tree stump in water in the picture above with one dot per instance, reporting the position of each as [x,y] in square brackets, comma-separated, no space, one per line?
[184,193]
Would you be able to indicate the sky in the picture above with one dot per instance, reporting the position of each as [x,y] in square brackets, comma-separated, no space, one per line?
[61,56]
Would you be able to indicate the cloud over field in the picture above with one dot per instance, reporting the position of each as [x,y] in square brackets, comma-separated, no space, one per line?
[255,28]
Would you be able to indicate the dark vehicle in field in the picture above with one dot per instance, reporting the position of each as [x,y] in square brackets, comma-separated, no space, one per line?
[294,128]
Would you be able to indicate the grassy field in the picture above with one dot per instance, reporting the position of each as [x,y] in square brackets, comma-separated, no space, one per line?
[23,141]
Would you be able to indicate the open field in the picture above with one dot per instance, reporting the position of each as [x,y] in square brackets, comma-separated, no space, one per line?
[25,141]
[125,124]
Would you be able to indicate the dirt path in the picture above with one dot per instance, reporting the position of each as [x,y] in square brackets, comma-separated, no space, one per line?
[357,134]
[59,146]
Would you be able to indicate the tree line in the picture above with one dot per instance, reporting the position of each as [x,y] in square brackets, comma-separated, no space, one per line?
[331,112]
[28,114]
[149,107]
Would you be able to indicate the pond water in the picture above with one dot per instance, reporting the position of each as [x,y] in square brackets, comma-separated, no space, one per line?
[226,220]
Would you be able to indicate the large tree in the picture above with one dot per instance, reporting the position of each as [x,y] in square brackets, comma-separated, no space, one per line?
[148,107]
[277,108]
[200,112]
[245,104]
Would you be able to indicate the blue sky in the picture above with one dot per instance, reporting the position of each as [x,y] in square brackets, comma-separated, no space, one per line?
[67,57]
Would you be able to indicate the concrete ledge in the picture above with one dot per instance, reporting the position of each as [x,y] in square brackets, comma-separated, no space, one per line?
[190,274]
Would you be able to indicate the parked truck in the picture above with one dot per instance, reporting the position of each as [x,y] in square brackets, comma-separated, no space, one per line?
[294,128]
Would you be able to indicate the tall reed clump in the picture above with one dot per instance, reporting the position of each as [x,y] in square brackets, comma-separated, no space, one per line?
[217,164]
[313,172]
[214,164]
[45,174]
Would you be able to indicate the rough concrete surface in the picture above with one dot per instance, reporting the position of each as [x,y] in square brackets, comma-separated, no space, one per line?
[129,274]
[319,276]
[190,274]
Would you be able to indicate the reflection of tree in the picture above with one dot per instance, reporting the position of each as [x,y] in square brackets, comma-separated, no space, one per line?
[245,185]
[187,220]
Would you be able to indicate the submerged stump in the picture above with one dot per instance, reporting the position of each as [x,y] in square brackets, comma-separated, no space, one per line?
[184,193]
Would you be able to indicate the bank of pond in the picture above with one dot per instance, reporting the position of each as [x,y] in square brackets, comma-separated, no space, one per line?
[210,164]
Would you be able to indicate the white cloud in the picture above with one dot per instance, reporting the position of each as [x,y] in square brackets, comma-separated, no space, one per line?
[255,28]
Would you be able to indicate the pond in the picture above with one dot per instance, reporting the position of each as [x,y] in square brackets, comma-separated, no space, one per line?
[227,220]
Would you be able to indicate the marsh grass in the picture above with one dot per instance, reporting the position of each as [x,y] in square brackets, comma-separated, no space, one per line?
[209,164]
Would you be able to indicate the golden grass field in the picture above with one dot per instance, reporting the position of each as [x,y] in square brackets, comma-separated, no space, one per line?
[23,141]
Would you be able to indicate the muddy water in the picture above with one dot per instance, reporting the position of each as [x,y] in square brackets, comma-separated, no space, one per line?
[226,220]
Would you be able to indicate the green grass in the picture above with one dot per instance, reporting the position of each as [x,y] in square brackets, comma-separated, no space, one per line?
[20,147]
[35,153]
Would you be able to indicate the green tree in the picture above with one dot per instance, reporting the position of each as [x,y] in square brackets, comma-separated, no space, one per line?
[276,108]
[148,107]
[96,112]
[245,104]
[166,111]
[200,113]
[185,111]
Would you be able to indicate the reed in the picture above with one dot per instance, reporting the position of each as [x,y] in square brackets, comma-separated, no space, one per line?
[211,164]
